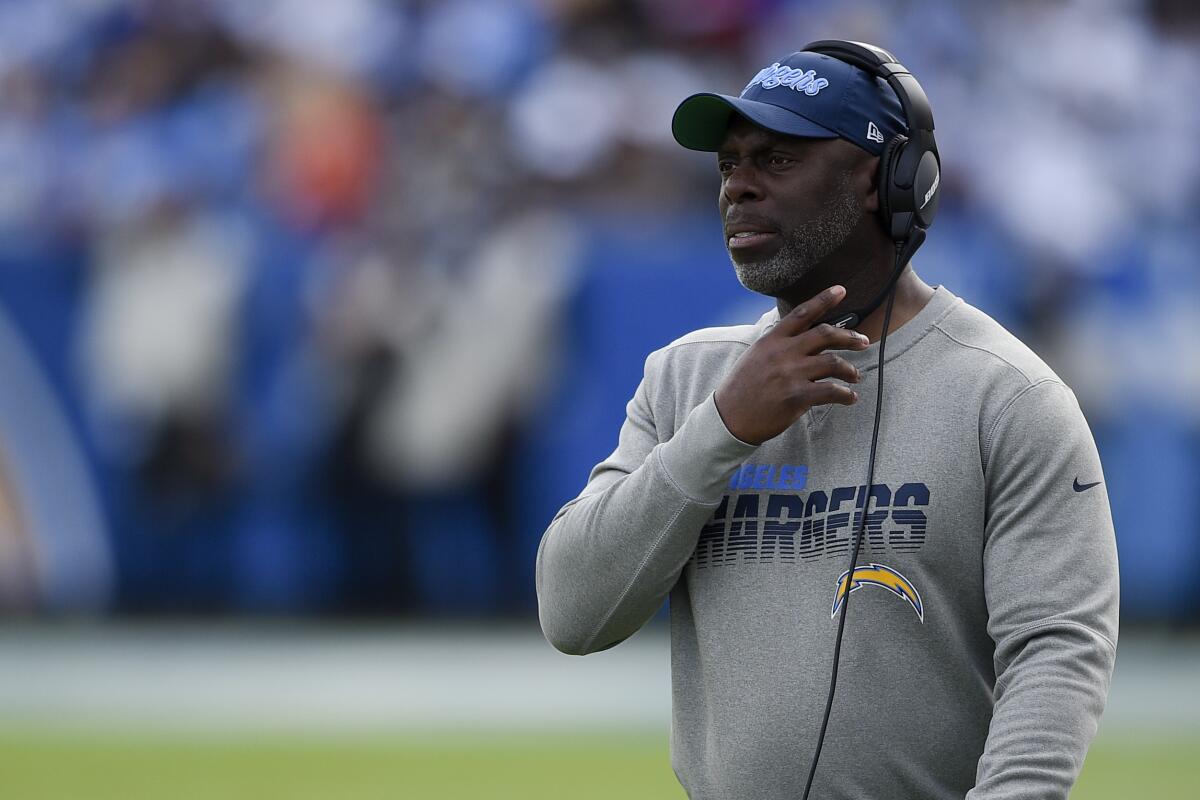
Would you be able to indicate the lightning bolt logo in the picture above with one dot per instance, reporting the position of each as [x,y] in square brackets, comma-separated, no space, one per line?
[878,575]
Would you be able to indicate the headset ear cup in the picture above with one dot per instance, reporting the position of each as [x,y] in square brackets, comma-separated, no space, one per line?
[887,189]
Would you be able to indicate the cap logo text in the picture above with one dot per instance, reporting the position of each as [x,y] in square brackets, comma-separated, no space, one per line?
[778,75]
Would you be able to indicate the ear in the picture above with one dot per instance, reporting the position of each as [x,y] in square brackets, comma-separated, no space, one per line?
[865,175]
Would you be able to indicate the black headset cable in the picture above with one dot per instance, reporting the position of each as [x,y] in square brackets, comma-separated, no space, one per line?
[837,645]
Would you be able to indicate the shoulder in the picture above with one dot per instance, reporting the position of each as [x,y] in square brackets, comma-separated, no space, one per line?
[993,349]
[1015,387]
[717,342]
[743,335]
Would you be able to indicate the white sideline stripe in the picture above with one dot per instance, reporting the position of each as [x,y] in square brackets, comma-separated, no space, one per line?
[417,678]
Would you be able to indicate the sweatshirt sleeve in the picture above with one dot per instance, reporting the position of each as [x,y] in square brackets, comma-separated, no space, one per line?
[611,555]
[1050,579]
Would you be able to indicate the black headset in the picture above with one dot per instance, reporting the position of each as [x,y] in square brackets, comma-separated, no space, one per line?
[908,181]
[909,175]
[909,167]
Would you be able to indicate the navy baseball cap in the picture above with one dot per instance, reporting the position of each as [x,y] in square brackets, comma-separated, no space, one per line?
[807,94]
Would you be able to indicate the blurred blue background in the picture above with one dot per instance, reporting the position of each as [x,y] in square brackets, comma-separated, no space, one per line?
[325,308]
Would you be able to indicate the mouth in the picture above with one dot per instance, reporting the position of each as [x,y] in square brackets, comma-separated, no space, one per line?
[744,240]
[748,234]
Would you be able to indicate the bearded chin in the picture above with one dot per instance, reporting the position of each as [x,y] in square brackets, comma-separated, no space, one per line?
[775,274]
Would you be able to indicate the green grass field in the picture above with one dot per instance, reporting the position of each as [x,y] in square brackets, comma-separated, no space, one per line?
[43,764]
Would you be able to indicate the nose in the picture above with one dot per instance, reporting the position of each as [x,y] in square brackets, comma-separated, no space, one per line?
[742,183]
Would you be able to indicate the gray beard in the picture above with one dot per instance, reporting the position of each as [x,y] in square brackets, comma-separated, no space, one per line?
[807,246]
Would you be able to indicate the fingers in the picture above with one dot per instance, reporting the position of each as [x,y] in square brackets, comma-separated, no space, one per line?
[819,391]
[825,393]
[801,318]
[827,337]
[830,365]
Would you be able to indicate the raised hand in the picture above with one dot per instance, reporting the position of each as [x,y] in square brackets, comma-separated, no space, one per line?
[782,374]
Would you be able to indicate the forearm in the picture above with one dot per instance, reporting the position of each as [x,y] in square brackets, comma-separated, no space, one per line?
[1048,705]
[609,558]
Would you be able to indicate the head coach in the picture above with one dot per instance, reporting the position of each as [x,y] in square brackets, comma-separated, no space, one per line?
[889,588]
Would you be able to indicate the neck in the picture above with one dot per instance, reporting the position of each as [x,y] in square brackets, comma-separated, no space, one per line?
[912,294]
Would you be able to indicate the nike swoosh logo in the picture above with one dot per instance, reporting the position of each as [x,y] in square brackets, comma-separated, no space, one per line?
[1083,487]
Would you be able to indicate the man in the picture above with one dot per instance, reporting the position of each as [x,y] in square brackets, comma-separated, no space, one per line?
[978,652]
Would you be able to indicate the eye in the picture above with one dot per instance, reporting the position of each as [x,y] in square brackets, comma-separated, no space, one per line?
[725,165]
[780,160]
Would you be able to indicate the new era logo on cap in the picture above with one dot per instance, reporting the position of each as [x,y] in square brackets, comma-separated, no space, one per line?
[873,133]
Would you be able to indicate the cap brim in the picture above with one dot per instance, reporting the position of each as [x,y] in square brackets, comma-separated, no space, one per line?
[701,120]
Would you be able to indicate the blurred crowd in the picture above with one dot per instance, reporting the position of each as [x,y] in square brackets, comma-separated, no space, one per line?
[326,307]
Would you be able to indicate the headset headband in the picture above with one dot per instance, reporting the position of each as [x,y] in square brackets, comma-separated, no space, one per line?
[882,64]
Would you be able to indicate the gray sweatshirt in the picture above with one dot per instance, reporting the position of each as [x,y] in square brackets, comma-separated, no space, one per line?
[982,624]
